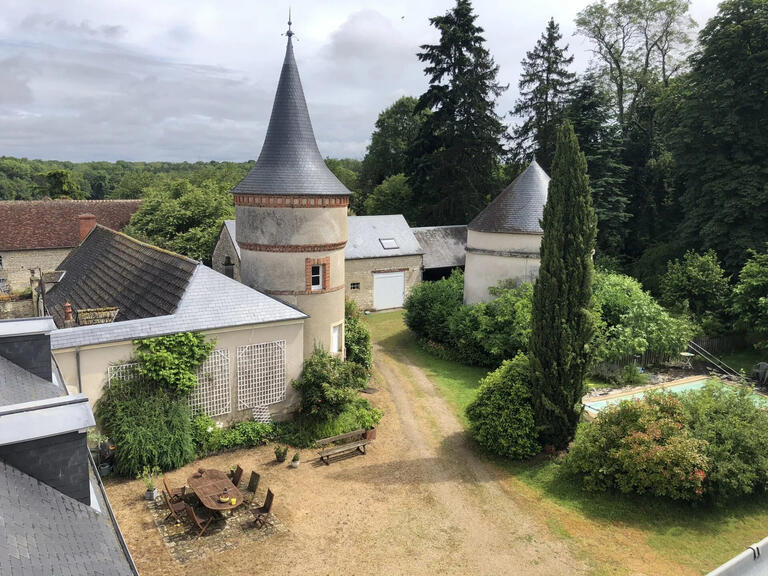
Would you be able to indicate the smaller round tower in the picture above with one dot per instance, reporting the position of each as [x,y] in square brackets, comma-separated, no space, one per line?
[291,214]
[503,241]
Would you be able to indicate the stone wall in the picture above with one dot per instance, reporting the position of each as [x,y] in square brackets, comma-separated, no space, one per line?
[361,272]
[224,248]
[16,264]
[16,309]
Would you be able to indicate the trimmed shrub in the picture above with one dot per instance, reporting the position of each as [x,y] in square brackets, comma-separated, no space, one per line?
[430,305]
[501,416]
[328,384]
[208,438]
[641,447]
[303,431]
[736,434]
[357,337]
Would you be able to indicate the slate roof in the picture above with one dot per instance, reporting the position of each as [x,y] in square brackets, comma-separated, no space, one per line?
[45,532]
[111,269]
[290,162]
[367,232]
[444,246]
[47,224]
[210,301]
[519,208]
[18,385]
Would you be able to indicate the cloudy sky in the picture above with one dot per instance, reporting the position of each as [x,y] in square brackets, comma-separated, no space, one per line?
[194,79]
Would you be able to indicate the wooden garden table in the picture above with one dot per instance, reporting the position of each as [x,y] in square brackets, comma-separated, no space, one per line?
[210,484]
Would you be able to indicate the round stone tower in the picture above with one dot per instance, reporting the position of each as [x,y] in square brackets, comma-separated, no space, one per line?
[291,216]
[503,241]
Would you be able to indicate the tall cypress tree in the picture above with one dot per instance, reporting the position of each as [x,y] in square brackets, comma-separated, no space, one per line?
[544,85]
[453,162]
[562,326]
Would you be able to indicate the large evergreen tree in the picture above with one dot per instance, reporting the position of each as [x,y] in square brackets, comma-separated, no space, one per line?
[454,159]
[544,85]
[396,129]
[562,326]
[721,143]
[589,109]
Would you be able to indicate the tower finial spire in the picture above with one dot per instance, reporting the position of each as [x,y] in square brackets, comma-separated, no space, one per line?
[290,32]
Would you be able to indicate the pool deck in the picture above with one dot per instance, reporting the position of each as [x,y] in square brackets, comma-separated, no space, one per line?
[632,391]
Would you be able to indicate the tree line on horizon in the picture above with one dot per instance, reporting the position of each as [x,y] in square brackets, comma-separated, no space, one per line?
[672,129]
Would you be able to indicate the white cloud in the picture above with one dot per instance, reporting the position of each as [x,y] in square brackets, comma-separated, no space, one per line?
[194,80]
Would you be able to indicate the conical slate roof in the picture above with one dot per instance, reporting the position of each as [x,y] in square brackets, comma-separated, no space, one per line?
[519,208]
[290,162]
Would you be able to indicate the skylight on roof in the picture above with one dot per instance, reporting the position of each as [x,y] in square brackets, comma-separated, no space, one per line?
[388,243]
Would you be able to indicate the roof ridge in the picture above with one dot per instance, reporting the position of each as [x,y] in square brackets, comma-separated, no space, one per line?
[76,201]
[141,243]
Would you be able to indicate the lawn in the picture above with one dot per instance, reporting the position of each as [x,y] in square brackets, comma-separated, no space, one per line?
[699,538]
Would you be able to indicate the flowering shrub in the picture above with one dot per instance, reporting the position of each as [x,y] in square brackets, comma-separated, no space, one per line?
[210,437]
[643,447]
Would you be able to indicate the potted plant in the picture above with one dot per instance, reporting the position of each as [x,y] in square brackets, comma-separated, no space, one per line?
[280,453]
[101,447]
[370,434]
[295,460]
[149,476]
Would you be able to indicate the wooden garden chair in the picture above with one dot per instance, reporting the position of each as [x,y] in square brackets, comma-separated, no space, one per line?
[176,494]
[237,475]
[174,508]
[261,514]
[201,523]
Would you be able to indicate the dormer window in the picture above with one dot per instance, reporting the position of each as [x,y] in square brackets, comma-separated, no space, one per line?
[388,243]
[317,276]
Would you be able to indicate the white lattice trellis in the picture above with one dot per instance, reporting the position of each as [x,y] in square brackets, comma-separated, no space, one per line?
[213,394]
[127,371]
[260,374]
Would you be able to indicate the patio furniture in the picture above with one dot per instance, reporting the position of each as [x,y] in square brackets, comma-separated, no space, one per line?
[176,494]
[174,508]
[685,360]
[212,487]
[261,514]
[356,440]
[237,475]
[253,483]
[201,523]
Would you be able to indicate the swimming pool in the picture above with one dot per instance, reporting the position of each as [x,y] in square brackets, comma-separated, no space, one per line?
[593,406]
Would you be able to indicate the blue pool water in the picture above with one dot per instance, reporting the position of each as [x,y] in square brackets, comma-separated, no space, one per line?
[595,405]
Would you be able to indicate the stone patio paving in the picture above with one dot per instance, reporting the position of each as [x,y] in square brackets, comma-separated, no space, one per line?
[225,533]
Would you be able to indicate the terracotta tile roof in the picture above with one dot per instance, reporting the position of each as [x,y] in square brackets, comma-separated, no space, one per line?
[110,269]
[44,224]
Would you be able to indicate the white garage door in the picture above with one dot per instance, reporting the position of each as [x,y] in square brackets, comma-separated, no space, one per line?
[388,290]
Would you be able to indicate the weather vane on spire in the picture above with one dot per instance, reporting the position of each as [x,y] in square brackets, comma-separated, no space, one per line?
[290,32]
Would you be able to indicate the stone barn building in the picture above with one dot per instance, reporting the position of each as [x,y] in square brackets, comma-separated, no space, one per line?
[291,214]
[40,233]
[383,261]
[503,241]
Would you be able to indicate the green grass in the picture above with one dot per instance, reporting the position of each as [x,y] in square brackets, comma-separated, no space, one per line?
[744,359]
[700,537]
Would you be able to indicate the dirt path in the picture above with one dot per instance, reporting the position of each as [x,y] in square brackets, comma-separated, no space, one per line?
[420,502]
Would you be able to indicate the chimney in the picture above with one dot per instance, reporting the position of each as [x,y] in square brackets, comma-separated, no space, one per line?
[68,321]
[87,222]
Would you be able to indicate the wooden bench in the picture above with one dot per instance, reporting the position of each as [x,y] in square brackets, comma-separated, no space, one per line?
[356,440]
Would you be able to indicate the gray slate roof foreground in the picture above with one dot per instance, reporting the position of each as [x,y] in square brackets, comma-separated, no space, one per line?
[42,531]
[366,232]
[519,208]
[444,246]
[17,385]
[211,301]
[290,162]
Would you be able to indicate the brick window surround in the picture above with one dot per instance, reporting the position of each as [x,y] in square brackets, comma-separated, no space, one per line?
[326,268]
